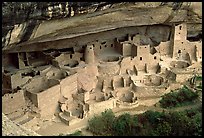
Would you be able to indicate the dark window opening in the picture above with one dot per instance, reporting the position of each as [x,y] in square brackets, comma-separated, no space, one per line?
[32,74]
[12,97]
[195,38]
[71,56]
[100,47]
[26,63]
[90,48]
[181,42]
[81,58]
[103,42]
[155,57]
[179,51]
[93,45]
[180,27]
[67,50]
[38,73]
[111,45]
[145,47]
[179,33]
[105,45]
[140,58]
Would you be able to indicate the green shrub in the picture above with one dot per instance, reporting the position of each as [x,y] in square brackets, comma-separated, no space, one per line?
[122,125]
[178,98]
[77,133]
[101,124]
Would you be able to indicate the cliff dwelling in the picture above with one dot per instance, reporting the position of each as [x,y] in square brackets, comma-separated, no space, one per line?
[67,77]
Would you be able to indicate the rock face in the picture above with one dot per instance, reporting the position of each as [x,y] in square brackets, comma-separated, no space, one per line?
[9,128]
[31,14]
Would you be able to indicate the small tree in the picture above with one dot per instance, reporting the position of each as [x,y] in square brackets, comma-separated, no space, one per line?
[122,125]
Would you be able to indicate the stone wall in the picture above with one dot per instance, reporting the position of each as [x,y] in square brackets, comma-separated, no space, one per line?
[69,86]
[48,101]
[126,64]
[13,102]
[98,107]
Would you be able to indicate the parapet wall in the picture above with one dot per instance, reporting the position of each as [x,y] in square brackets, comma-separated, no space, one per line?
[98,107]
[48,101]
[69,86]
[13,102]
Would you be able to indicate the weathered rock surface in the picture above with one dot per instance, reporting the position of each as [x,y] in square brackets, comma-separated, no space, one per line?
[101,17]
[10,128]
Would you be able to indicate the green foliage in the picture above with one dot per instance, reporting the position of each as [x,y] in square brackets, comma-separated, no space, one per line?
[77,133]
[163,129]
[150,123]
[178,98]
[198,78]
[102,125]
[122,125]
[154,117]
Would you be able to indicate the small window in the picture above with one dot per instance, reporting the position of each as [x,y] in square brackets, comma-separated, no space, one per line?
[100,47]
[181,42]
[90,48]
[71,56]
[105,45]
[145,47]
[179,51]
[140,58]
[179,33]
[180,27]
[111,45]
[93,45]
[155,57]
[81,58]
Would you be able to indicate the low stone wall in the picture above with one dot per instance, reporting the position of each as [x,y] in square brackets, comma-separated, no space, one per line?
[13,102]
[98,107]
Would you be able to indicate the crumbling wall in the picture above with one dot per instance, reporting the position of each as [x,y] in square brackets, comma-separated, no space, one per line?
[184,47]
[18,80]
[13,102]
[102,46]
[182,77]
[98,107]
[109,68]
[153,80]
[126,64]
[68,86]
[48,101]
[164,48]
[68,59]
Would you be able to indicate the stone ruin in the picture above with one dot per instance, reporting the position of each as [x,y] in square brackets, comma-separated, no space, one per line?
[72,83]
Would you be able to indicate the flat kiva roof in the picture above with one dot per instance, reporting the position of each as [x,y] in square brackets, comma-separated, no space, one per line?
[109,19]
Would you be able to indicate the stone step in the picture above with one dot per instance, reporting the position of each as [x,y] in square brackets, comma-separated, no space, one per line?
[15,115]
[21,118]
[26,120]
